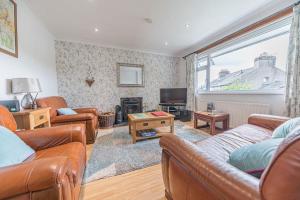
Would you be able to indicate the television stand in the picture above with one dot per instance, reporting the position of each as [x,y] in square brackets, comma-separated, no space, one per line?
[178,110]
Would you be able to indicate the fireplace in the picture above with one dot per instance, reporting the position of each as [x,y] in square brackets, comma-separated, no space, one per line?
[131,105]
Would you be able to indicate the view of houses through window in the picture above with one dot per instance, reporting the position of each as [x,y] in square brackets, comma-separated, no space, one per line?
[257,64]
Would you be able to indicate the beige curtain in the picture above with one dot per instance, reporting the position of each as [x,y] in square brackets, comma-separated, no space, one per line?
[190,82]
[292,99]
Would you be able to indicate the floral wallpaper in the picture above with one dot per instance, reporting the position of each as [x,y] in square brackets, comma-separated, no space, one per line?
[74,59]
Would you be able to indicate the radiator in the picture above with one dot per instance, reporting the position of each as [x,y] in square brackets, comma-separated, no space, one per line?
[239,112]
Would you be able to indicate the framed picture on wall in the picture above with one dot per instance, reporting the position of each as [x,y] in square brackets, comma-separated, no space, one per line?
[8,30]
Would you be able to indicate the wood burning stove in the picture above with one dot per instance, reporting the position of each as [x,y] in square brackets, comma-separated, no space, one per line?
[131,105]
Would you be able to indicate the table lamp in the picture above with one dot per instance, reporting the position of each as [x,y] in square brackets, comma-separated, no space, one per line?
[27,86]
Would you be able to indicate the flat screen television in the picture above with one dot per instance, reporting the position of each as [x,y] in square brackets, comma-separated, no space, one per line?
[173,95]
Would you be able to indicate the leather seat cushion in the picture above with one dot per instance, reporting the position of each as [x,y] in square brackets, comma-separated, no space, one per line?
[74,151]
[220,146]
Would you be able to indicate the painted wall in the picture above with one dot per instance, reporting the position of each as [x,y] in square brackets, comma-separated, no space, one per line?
[36,55]
[74,59]
[276,102]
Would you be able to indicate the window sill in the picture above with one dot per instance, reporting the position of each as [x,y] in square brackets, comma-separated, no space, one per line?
[241,93]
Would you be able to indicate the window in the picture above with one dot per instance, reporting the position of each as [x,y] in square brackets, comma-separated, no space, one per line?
[255,63]
[202,73]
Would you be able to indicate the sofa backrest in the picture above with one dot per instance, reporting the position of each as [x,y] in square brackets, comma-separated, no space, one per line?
[7,119]
[54,102]
[281,180]
[270,122]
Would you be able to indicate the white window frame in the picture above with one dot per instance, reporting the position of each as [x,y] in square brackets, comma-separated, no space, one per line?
[276,25]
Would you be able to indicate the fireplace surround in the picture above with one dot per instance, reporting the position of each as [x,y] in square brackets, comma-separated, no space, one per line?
[131,105]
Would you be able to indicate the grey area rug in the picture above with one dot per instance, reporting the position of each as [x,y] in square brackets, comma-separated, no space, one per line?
[114,154]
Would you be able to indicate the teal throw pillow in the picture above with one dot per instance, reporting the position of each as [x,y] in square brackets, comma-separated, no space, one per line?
[284,129]
[13,150]
[254,158]
[66,111]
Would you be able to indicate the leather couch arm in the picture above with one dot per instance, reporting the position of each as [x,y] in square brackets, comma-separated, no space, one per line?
[87,110]
[73,118]
[215,177]
[270,122]
[35,176]
[45,138]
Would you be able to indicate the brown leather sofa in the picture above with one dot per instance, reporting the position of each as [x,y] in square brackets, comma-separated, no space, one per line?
[54,172]
[86,116]
[199,171]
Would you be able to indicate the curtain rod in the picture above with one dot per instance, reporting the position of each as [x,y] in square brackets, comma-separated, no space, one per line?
[280,14]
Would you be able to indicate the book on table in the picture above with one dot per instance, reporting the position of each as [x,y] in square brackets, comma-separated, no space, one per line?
[159,113]
[140,115]
[147,133]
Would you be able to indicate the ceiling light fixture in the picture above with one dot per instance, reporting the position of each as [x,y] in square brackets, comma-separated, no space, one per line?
[148,20]
[96,30]
[187,26]
[166,43]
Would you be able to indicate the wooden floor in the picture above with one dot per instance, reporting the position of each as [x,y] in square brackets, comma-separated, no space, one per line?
[144,184]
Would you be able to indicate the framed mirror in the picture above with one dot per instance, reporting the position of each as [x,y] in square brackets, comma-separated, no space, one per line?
[130,75]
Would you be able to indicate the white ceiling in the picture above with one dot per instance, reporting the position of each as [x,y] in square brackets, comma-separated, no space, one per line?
[121,22]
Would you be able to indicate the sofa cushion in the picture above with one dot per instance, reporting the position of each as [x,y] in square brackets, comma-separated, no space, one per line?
[254,158]
[66,111]
[222,145]
[12,149]
[287,127]
[74,151]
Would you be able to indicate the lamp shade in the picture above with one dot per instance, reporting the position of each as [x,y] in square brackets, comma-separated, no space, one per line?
[25,85]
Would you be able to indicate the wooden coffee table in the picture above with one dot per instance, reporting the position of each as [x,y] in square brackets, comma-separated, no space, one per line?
[148,121]
[212,119]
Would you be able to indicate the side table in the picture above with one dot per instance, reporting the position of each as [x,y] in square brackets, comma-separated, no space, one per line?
[212,119]
[32,118]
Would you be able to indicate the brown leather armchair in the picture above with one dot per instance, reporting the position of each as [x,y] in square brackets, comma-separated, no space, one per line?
[199,171]
[86,116]
[54,171]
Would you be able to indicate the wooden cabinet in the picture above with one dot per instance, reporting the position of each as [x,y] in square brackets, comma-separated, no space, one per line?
[31,119]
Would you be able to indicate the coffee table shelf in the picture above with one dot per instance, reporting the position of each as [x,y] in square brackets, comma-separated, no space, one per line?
[149,122]
[138,138]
